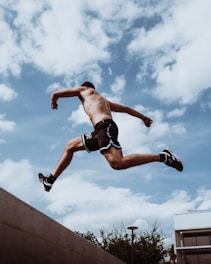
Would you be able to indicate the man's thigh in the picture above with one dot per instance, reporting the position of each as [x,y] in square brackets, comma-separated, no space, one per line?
[113,154]
[76,144]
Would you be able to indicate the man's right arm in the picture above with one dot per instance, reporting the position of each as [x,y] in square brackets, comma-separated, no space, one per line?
[64,93]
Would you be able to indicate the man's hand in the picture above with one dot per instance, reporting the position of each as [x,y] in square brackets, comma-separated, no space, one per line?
[147,121]
[54,105]
[54,99]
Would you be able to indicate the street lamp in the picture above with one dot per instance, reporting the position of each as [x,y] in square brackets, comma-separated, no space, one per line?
[132,228]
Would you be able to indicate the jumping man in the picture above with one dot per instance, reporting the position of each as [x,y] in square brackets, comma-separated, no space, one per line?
[105,135]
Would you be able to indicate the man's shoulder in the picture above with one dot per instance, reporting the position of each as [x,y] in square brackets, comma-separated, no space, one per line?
[77,90]
[87,91]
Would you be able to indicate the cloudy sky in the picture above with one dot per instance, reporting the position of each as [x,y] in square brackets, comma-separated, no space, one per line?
[151,55]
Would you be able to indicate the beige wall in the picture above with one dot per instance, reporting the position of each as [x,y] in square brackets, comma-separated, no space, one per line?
[28,236]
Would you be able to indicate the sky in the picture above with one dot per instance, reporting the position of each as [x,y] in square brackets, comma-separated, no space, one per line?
[153,56]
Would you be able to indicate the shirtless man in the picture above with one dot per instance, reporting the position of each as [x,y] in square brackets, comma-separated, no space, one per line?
[105,135]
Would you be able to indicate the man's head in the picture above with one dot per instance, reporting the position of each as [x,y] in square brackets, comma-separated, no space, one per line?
[88,84]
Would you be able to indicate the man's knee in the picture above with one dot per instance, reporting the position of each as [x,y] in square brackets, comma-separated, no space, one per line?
[116,164]
[72,146]
[69,147]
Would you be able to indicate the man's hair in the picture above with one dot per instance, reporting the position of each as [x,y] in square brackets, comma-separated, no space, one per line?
[88,84]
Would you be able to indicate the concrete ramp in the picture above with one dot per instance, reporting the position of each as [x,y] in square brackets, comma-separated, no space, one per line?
[28,236]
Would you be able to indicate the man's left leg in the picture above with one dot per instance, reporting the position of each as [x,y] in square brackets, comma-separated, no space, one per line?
[72,146]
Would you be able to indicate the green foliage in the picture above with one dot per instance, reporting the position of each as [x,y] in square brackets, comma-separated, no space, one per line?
[90,236]
[117,244]
[148,247]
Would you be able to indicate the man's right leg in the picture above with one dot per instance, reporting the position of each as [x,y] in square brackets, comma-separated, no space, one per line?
[72,146]
[119,162]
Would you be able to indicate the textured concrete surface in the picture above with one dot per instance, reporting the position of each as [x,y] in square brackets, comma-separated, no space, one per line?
[28,236]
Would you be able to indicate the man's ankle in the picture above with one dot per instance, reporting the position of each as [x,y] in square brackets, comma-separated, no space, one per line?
[163,157]
[51,179]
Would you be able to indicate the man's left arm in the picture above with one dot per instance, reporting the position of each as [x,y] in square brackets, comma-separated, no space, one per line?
[125,109]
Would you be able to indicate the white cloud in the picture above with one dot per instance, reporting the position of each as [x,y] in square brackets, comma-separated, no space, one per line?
[176,112]
[7,93]
[93,206]
[53,87]
[132,134]
[6,125]
[78,117]
[117,10]
[73,37]
[177,54]
[63,38]
[53,36]
[118,85]
[17,177]
[184,80]
[203,199]
[84,206]
[179,129]
[10,54]
[135,137]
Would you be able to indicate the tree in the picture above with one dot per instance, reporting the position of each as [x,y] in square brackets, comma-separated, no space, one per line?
[117,243]
[89,236]
[148,246]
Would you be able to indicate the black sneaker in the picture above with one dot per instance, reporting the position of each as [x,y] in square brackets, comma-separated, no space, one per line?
[46,181]
[172,160]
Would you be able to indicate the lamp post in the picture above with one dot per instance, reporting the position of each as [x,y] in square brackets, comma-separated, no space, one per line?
[132,228]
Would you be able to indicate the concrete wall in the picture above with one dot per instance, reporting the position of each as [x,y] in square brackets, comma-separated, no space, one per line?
[28,236]
[192,220]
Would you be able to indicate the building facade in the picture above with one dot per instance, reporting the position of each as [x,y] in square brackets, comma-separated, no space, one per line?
[193,237]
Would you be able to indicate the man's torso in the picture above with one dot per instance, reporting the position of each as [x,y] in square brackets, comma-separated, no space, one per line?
[95,106]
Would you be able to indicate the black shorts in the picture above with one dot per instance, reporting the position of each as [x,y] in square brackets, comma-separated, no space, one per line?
[104,136]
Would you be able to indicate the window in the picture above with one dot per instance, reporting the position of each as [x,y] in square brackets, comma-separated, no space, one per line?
[197,239]
[200,257]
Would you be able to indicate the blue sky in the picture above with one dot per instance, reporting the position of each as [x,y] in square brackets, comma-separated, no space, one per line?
[151,55]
